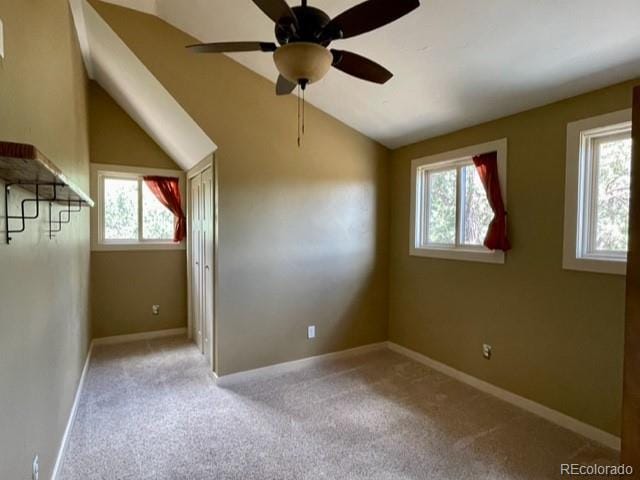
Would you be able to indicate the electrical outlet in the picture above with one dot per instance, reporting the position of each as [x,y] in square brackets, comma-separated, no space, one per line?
[35,470]
[155,309]
[311,332]
[486,351]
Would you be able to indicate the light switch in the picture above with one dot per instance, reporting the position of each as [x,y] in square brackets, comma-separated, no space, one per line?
[311,332]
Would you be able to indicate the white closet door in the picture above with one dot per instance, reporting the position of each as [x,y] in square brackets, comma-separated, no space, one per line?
[196,260]
[207,260]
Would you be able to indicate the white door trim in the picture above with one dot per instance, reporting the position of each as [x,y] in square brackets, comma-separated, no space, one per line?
[210,162]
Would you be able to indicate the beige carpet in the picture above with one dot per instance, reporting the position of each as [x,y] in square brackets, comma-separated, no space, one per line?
[150,410]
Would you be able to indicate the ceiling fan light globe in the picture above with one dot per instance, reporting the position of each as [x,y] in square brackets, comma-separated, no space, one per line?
[303,61]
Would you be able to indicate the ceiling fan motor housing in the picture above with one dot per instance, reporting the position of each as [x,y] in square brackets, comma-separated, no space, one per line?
[303,62]
[304,34]
[307,27]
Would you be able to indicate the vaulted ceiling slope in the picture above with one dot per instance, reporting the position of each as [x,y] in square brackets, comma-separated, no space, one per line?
[110,62]
[457,62]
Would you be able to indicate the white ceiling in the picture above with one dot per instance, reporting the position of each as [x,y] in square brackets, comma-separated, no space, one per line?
[110,62]
[457,62]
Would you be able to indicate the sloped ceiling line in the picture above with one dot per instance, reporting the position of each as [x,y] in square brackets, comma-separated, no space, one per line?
[457,63]
[115,67]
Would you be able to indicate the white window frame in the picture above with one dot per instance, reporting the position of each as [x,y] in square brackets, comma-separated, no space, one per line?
[579,194]
[99,173]
[447,160]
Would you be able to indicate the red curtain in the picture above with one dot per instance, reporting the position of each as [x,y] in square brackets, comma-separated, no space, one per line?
[487,167]
[167,191]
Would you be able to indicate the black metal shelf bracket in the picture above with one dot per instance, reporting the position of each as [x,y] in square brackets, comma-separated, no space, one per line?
[23,217]
[64,216]
[64,212]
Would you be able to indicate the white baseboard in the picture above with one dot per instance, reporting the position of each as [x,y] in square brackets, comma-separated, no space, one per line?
[74,408]
[565,421]
[72,416]
[279,368]
[134,337]
[547,413]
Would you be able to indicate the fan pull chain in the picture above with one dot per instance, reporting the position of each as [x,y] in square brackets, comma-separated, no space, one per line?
[301,114]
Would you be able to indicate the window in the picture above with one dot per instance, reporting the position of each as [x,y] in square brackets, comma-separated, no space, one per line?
[597,193]
[450,211]
[128,214]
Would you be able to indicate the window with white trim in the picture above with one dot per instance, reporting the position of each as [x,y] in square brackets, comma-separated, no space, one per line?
[450,211]
[597,194]
[128,214]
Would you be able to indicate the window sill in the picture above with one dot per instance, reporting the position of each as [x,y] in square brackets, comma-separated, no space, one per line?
[467,255]
[596,265]
[125,247]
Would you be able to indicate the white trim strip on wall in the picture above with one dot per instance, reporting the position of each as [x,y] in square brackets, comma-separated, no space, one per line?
[76,401]
[134,337]
[279,368]
[72,417]
[565,421]
[540,410]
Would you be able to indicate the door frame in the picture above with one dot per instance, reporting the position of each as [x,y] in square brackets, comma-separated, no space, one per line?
[209,162]
[631,392]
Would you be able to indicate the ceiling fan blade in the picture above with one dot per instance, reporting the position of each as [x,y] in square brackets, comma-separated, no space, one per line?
[360,67]
[228,47]
[276,10]
[284,86]
[368,16]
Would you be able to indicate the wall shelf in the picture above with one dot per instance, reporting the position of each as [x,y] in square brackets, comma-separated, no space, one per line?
[24,166]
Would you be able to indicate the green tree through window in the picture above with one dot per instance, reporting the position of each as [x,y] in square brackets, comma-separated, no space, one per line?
[122,219]
[612,201]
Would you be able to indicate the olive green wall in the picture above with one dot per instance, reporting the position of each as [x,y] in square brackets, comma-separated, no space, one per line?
[557,335]
[44,284]
[125,284]
[115,139]
[303,240]
[303,232]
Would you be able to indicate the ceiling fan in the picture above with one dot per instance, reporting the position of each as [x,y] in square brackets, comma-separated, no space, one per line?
[304,34]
